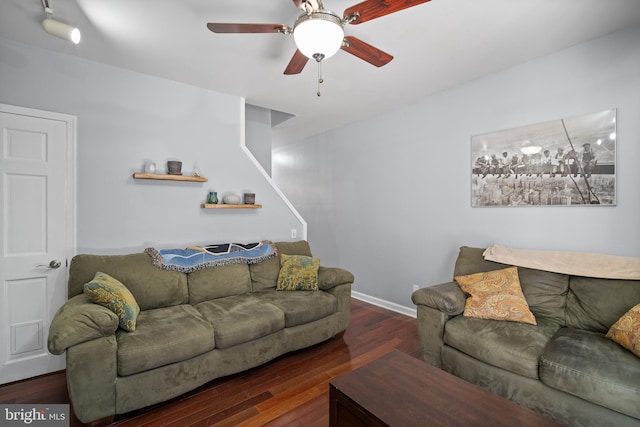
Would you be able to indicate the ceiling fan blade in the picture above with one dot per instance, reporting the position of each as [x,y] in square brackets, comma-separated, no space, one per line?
[297,63]
[217,27]
[371,9]
[366,52]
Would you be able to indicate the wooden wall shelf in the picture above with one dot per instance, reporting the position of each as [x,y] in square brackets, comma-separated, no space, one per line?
[224,206]
[139,175]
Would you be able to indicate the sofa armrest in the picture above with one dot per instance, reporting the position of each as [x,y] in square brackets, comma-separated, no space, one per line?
[329,277]
[92,371]
[446,297]
[77,321]
[435,306]
[343,298]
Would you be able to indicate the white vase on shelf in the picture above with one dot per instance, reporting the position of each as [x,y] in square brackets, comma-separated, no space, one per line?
[231,199]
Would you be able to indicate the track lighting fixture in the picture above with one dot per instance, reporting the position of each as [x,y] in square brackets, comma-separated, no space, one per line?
[57,28]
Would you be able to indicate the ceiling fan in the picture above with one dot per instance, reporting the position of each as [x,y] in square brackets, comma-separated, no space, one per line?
[319,33]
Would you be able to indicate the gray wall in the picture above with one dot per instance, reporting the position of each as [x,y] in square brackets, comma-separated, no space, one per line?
[389,197]
[126,117]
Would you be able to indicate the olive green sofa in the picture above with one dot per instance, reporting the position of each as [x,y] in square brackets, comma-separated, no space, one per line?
[564,367]
[192,328]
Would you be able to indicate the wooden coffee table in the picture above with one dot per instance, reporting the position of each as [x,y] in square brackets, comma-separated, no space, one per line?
[399,390]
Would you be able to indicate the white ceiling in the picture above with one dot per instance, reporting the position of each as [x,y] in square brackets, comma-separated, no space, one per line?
[436,45]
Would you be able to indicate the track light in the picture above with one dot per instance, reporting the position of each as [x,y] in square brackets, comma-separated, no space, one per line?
[57,28]
[62,30]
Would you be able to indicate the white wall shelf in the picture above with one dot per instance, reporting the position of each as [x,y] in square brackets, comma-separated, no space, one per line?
[225,206]
[138,175]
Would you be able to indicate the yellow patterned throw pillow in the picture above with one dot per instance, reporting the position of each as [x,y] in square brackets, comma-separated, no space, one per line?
[112,294]
[298,273]
[626,331]
[495,295]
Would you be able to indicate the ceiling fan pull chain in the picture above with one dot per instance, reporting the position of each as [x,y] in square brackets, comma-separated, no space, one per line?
[320,79]
[319,57]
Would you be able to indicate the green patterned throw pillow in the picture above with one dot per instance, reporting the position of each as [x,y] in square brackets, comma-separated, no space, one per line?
[112,294]
[298,273]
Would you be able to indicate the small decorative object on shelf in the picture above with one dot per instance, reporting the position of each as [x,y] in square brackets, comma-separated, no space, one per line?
[249,198]
[231,199]
[150,167]
[174,167]
[213,198]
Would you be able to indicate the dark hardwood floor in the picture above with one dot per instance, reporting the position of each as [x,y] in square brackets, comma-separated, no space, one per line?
[292,390]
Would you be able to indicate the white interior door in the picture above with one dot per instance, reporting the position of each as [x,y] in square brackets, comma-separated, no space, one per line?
[37,235]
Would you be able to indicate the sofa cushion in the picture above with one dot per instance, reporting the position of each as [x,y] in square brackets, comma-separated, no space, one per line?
[301,307]
[298,273]
[470,260]
[495,295]
[515,347]
[596,304]
[240,318]
[545,292]
[163,336]
[151,286]
[112,294]
[264,275]
[218,282]
[626,331]
[587,365]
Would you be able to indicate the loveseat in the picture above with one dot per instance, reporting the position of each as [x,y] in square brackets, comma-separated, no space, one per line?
[192,327]
[563,367]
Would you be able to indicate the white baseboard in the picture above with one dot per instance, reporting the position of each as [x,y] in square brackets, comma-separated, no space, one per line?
[385,304]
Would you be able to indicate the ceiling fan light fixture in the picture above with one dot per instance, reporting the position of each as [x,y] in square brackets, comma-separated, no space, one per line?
[318,34]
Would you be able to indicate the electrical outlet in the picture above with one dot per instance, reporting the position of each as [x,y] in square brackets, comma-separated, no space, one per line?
[415,287]
[294,233]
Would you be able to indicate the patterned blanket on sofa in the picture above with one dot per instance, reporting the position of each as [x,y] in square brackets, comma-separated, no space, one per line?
[198,257]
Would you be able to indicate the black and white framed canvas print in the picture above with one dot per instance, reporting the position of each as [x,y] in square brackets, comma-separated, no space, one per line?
[565,162]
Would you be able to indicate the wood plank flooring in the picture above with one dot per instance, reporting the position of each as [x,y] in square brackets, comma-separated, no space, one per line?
[290,391]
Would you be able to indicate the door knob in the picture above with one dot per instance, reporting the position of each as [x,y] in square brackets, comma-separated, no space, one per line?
[53,264]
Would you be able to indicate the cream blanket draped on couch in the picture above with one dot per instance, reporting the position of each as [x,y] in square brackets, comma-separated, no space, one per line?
[573,263]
